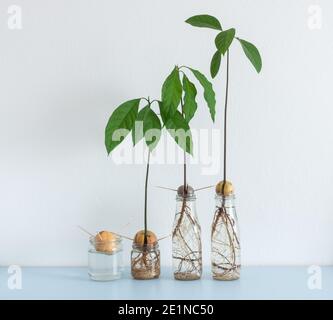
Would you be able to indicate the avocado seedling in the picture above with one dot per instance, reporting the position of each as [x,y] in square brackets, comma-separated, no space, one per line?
[224,236]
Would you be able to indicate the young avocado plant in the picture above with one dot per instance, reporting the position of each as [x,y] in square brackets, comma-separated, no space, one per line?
[223,41]
[225,234]
[143,124]
[177,108]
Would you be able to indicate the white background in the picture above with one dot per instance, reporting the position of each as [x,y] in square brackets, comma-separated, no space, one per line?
[73,62]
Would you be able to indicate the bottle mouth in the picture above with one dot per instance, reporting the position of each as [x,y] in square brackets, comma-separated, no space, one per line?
[144,247]
[222,197]
[188,197]
[95,241]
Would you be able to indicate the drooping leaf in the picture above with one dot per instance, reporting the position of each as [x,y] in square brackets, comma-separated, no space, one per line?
[123,118]
[204,21]
[151,128]
[138,132]
[180,131]
[252,54]
[209,93]
[171,92]
[164,112]
[215,64]
[224,39]
[190,105]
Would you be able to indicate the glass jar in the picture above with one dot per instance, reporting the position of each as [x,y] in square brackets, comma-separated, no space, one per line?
[145,261]
[225,241]
[105,259]
[186,238]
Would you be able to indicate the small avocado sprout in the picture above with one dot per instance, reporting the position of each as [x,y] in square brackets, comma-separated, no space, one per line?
[144,123]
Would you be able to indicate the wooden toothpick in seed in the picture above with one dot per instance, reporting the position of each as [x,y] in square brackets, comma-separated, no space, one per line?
[203,188]
[169,235]
[166,188]
[85,231]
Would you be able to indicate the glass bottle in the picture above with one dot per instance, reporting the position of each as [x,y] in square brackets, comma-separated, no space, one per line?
[105,259]
[145,261]
[225,241]
[186,237]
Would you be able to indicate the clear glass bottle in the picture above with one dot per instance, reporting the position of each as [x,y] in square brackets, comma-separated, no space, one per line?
[105,260]
[145,261]
[186,238]
[225,241]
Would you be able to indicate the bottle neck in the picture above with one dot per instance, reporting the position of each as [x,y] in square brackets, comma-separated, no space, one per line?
[186,205]
[227,201]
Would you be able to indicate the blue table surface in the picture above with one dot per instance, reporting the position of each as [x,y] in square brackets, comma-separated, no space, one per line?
[255,283]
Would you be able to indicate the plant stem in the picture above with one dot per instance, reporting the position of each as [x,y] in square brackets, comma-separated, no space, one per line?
[146,199]
[185,171]
[225,126]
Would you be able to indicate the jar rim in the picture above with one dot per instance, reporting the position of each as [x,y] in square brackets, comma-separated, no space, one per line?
[187,198]
[116,240]
[147,246]
[229,197]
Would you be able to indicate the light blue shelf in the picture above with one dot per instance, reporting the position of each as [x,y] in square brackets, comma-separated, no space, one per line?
[255,283]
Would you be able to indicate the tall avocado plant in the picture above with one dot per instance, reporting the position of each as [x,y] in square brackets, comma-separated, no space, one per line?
[143,123]
[225,242]
[223,41]
[179,105]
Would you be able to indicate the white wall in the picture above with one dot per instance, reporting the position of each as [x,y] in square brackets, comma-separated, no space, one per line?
[74,61]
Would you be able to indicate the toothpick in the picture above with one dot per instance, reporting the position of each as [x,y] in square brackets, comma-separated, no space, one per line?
[119,235]
[165,188]
[85,231]
[203,188]
[169,235]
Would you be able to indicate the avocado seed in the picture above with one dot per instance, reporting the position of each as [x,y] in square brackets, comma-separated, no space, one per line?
[227,188]
[139,238]
[105,241]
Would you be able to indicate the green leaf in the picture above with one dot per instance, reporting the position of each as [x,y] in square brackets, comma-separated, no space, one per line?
[190,105]
[215,64]
[224,39]
[252,53]
[204,21]
[137,132]
[122,118]
[164,112]
[180,131]
[209,93]
[151,129]
[171,92]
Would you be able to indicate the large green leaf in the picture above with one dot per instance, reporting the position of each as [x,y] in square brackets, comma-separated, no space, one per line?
[164,112]
[204,21]
[151,128]
[190,105]
[215,64]
[209,93]
[252,54]
[180,131]
[123,118]
[137,132]
[171,92]
[224,39]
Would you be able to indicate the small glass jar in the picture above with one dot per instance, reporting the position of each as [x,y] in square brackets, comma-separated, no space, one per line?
[225,240]
[145,261]
[186,238]
[105,261]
